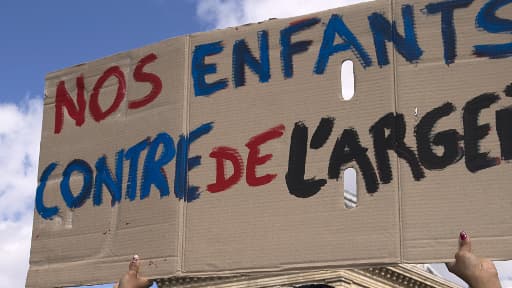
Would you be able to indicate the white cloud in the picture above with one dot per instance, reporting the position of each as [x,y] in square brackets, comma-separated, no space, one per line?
[226,13]
[20,132]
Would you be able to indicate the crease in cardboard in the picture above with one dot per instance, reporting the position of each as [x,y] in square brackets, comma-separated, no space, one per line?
[285,268]
[392,6]
[114,216]
[186,128]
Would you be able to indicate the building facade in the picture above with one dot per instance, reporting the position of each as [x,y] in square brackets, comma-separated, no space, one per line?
[405,275]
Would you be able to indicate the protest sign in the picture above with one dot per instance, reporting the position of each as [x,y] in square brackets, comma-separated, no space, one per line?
[224,152]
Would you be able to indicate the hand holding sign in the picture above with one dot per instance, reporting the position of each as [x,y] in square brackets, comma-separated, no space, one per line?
[476,271]
[132,279]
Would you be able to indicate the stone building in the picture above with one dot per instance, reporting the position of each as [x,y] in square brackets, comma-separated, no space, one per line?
[405,275]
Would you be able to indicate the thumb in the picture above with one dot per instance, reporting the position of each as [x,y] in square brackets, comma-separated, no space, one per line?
[464,242]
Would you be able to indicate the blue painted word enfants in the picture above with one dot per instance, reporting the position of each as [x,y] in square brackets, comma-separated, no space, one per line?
[382,29]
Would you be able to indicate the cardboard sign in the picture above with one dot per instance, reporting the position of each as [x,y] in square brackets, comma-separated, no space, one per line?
[224,152]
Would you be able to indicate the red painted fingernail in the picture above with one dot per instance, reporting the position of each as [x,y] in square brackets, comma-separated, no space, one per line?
[463,236]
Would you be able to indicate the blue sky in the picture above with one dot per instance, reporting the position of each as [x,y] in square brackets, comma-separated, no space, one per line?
[42,36]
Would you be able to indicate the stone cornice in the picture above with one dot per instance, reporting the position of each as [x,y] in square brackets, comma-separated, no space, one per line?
[405,275]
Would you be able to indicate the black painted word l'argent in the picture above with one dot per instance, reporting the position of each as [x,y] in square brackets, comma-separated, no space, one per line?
[388,134]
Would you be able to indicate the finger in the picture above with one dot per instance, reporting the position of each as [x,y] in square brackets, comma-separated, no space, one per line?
[464,242]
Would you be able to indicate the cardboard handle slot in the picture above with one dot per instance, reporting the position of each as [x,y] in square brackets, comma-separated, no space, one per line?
[347,80]
[350,188]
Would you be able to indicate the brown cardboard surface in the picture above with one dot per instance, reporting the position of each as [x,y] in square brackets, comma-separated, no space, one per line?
[90,244]
[452,199]
[273,224]
[266,227]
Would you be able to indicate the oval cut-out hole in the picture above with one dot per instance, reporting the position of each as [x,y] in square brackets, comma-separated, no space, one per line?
[347,80]
[350,188]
